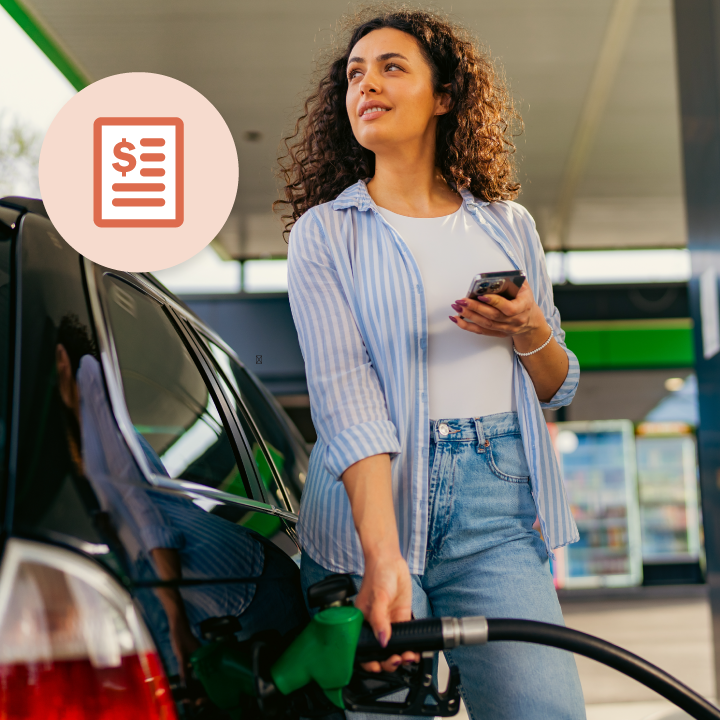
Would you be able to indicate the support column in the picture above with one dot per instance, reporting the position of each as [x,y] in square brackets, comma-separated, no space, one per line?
[697,34]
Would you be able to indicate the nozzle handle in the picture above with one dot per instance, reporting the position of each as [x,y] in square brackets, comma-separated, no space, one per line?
[333,589]
[427,635]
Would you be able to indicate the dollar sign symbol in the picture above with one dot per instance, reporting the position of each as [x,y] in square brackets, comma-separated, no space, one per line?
[120,155]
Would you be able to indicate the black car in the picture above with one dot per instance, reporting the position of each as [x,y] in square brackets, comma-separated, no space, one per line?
[149,484]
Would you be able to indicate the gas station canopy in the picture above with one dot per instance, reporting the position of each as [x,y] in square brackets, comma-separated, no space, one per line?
[595,83]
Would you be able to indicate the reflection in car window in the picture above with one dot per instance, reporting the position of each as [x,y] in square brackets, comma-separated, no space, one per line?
[174,415]
[285,450]
[213,562]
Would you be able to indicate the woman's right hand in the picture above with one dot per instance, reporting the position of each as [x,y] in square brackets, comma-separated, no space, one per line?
[386,597]
[386,592]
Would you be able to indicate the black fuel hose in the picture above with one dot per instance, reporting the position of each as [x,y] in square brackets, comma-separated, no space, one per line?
[434,634]
[500,629]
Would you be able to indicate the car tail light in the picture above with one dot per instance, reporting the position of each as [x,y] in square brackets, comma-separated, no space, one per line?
[71,644]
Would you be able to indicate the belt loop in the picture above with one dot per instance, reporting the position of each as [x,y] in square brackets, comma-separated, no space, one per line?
[482,443]
[434,431]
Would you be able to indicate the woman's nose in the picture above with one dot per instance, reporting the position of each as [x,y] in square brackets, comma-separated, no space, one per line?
[368,84]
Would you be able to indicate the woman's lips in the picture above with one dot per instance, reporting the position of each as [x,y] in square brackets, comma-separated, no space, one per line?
[374,115]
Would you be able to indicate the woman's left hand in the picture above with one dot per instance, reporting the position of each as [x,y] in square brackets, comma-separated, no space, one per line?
[497,316]
[522,320]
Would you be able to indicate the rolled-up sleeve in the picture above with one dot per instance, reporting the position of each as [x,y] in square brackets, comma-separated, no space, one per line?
[347,401]
[544,298]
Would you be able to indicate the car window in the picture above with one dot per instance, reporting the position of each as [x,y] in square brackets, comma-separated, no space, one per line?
[176,420]
[5,344]
[286,450]
[265,457]
[51,494]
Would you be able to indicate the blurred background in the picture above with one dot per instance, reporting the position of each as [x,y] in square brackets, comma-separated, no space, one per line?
[619,100]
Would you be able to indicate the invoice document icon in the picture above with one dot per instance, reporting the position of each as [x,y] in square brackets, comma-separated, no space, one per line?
[138,172]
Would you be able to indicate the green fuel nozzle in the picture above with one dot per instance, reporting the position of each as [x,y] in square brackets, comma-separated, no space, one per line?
[327,655]
[323,652]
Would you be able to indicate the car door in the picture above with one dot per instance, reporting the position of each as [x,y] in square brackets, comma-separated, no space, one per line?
[84,474]
[175,470]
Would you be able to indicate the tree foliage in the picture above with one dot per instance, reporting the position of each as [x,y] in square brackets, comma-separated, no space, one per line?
[19,157]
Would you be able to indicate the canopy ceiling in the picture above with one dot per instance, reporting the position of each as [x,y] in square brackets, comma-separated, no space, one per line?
[594,81]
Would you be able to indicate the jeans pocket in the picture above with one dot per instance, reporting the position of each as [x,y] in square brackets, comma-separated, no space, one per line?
[506,457]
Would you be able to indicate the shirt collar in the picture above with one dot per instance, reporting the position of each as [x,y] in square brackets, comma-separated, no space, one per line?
[357,195]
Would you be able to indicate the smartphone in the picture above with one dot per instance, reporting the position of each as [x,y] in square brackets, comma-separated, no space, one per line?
[505,283]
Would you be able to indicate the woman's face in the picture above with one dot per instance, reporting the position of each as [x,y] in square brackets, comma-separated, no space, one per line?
[390,99]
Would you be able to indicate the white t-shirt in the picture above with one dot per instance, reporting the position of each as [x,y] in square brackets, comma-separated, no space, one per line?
[469,375]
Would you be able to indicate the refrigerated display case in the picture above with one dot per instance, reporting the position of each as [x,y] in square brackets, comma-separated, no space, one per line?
[600,473]
[668,491]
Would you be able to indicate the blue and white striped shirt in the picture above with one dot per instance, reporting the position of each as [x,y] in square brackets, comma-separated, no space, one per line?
[358,303]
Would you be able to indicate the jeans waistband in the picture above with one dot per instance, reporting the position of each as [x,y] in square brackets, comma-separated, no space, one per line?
[477,428]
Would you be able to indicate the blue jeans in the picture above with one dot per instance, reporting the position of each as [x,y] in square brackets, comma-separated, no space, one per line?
[484,558]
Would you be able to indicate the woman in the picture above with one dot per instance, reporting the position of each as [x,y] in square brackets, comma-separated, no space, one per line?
[399,180]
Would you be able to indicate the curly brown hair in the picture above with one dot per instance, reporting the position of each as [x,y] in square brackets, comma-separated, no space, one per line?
[474,144]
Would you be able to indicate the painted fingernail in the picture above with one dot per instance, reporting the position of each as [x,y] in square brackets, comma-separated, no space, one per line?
[482,298]
[454,319]
[457,307]
[462,302]
[396,663]
[382,639]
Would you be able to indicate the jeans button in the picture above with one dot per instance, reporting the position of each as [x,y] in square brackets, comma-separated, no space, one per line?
[443,429]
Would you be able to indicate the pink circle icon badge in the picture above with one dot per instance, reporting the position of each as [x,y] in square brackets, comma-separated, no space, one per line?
[138,172]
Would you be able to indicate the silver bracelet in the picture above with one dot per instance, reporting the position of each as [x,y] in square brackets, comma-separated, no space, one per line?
[532,352]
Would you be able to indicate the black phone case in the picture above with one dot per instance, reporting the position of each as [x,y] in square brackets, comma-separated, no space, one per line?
[506,285]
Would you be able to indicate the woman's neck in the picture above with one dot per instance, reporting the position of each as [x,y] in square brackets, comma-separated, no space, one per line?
[412,186]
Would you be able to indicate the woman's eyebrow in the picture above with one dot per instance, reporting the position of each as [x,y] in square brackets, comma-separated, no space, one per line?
[379,58]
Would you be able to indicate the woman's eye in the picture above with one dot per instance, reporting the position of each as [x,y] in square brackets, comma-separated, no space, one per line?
[392,66]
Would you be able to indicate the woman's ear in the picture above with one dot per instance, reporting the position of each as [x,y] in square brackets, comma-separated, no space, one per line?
[444,101]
